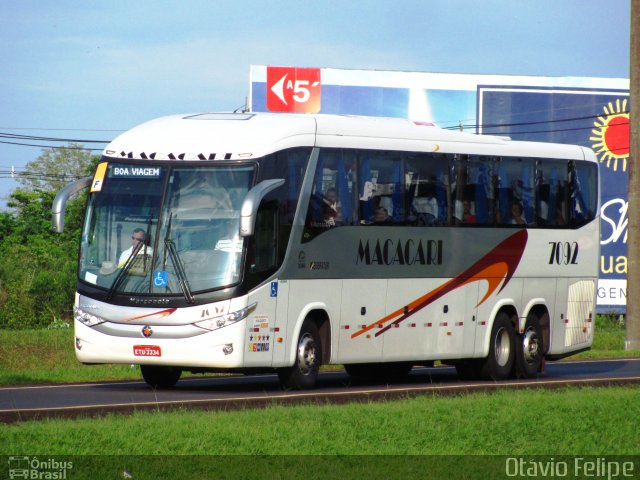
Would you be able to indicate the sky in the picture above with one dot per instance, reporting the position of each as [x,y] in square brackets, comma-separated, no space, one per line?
[90,70]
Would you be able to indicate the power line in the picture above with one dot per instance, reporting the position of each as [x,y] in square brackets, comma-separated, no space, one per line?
[10,174]
[64,129]
[51,146]
[25,141]
[14,136]
[541,122]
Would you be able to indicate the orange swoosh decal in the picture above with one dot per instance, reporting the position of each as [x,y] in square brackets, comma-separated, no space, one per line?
[496,267]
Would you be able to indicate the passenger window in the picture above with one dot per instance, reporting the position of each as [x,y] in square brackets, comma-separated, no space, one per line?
[515,185]
[551,191]
[333,196]
[427,189]
[584,194]
[472,190]
[382,199]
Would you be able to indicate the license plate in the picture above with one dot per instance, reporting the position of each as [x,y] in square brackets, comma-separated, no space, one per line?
[146,351]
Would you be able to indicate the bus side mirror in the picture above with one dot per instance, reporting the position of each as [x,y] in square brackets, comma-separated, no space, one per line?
[60,202]
[252,202]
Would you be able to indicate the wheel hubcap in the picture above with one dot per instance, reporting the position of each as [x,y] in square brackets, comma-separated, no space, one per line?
[530,346]
[306,354]
[502,347]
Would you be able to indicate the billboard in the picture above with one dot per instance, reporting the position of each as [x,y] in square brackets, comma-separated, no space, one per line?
[593,112]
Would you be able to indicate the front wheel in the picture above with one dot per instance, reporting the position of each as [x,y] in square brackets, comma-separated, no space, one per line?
[160,376]
[304,372]
[500,362]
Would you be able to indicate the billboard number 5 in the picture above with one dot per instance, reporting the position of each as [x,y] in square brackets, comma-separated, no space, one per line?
[293,89]
[300,91]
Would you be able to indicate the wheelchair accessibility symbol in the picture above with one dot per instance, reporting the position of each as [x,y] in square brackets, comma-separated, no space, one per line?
[160,279]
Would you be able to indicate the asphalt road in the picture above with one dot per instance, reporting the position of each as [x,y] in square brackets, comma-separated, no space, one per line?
[70,400]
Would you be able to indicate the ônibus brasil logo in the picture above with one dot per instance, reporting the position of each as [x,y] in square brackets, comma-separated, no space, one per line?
[611,135]
[294,90]
[41,468]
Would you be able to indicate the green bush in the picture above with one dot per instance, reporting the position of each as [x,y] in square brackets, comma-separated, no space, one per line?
[37,267]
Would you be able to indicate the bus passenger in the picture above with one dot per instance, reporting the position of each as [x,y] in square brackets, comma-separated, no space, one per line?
[331,201]
[467,216]
[517,214]
[381,216]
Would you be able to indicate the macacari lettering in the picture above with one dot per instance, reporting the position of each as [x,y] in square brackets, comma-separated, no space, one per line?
[400,252]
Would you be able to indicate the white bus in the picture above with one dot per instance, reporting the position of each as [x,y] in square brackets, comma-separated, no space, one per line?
[252,242]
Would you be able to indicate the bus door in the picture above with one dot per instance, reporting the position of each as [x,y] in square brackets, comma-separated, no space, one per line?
[262,324]
[430,329]
[278,329]
[558,316]
[363,304]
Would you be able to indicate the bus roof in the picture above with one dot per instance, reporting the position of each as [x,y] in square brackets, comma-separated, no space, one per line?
[242,136]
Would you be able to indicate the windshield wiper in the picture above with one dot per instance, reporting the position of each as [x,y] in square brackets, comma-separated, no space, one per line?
[179,268]
[124,270]
[170,247]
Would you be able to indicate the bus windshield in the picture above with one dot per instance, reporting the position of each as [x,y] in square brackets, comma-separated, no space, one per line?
[165,229]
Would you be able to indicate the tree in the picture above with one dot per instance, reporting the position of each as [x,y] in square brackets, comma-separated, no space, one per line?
[56,167]
[37,266]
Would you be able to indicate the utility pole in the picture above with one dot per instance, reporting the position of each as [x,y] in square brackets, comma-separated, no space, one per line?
[633,247]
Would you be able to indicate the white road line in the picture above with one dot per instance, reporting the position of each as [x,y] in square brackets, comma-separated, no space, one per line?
[353,393]
[204,379]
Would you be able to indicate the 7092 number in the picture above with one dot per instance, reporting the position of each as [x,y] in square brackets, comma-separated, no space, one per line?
[563,253]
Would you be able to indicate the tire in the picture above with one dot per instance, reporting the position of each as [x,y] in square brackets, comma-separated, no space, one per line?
[308,359]
[530,349]
[468,369]
[160,376]
[499,364]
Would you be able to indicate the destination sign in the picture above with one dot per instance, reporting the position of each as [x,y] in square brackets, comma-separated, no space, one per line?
[134,171]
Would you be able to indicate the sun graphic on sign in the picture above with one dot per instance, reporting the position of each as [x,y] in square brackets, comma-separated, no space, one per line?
[611,135]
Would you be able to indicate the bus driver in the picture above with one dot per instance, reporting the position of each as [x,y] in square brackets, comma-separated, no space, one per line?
[138,236]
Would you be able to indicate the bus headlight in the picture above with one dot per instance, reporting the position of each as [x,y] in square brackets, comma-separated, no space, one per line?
[86,318]
[227,319]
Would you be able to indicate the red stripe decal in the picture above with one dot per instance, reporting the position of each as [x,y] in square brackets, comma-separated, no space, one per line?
[496,268]
[161,314]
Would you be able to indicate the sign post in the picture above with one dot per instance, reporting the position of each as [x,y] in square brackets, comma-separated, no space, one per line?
[633,275]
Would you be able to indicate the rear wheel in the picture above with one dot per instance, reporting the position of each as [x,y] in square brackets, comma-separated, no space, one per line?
[500,362]
[160,376]
[529,351]
[304,372]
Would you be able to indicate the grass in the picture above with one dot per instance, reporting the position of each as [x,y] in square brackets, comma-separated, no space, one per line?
[572,421]
[449,437]
[44,356]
